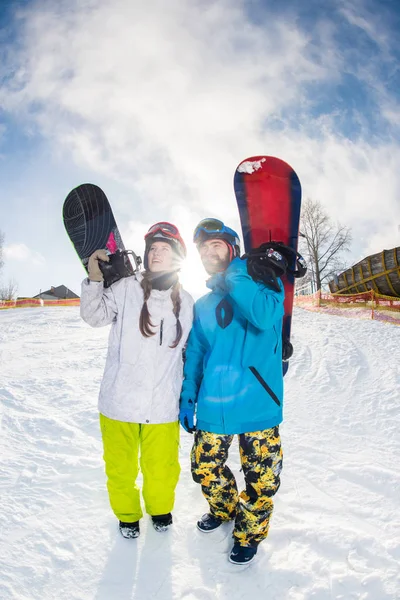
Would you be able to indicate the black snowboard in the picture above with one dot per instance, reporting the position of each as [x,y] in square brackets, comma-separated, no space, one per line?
[90,225]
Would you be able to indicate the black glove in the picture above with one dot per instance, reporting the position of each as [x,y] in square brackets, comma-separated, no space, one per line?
[272,260]
[266,264]
[117,267]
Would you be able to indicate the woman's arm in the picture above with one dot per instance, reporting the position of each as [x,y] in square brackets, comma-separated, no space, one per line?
[98,305]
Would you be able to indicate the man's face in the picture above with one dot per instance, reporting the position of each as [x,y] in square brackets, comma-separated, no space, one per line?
[214,255]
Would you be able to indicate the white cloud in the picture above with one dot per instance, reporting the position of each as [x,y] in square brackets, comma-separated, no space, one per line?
[159,96]
[167,98]
[391,112]
[21,253]
[369,26]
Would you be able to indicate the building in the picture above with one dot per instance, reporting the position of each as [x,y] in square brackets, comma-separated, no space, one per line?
[60,292]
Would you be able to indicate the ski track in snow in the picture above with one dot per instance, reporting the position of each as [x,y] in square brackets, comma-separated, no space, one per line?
[335,532]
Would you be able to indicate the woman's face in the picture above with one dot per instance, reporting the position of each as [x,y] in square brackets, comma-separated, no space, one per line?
[161,257]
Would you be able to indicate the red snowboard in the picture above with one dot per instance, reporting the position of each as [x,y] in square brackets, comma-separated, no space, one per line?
[268,193]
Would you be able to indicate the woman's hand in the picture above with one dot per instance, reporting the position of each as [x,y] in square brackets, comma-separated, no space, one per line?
[94,271]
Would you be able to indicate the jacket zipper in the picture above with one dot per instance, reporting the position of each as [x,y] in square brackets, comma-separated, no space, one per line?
[161,331]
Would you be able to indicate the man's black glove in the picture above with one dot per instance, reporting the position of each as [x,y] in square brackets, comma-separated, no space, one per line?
[272,260]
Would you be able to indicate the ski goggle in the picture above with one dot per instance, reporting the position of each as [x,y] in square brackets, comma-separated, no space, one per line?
[210,226]
[163,227]
[167,230]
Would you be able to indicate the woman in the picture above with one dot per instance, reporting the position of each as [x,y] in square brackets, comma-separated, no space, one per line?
[151,317]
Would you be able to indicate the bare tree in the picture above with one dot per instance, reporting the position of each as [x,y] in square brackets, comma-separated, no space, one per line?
[9,291]
[323,242]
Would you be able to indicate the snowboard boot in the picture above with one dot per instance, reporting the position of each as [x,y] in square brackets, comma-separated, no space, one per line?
[208,523]
[162,522]
[242,555]
[129,530]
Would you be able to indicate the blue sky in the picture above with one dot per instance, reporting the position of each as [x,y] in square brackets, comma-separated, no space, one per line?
[158,102]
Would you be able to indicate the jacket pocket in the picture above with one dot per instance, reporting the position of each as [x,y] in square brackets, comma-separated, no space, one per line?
[265,385]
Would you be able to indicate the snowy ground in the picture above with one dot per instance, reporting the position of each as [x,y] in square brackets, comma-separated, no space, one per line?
[335,532]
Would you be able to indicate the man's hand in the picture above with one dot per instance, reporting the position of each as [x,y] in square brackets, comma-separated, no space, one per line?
[93,266]
[186,417]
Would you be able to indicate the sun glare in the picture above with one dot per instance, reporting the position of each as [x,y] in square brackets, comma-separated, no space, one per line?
[193,276]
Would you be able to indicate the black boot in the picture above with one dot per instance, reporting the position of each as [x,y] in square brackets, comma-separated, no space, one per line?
[129,530]
[162,522]
[208,523]
[242,555]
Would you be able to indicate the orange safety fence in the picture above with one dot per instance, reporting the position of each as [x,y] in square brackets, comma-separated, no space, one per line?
[364,305]
[33,302]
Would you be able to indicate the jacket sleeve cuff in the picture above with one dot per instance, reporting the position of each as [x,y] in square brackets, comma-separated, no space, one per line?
[92,288]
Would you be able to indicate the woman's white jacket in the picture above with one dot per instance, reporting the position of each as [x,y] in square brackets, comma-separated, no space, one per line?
[143,376]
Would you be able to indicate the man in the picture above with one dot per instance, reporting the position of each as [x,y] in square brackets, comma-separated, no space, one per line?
[233,381]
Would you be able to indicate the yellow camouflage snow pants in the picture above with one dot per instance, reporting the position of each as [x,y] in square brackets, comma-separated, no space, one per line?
[156,448]
[261,458]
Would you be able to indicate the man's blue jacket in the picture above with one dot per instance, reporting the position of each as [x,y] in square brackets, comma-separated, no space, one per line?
[233,369]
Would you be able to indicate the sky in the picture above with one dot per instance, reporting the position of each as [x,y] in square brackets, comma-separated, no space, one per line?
[158,102]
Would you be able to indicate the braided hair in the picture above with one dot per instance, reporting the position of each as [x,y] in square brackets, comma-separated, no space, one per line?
[145,324]
[177,303]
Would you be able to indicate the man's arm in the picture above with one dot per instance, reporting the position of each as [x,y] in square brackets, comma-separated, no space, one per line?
[260,305]
[196,349]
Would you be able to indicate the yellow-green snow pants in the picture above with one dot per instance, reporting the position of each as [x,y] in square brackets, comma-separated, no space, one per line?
[156,447]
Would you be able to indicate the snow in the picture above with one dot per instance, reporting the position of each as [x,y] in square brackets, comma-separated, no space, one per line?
[335,532]
[250,166]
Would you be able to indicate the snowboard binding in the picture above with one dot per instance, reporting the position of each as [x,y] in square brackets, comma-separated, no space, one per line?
[119,266]
[271,261]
